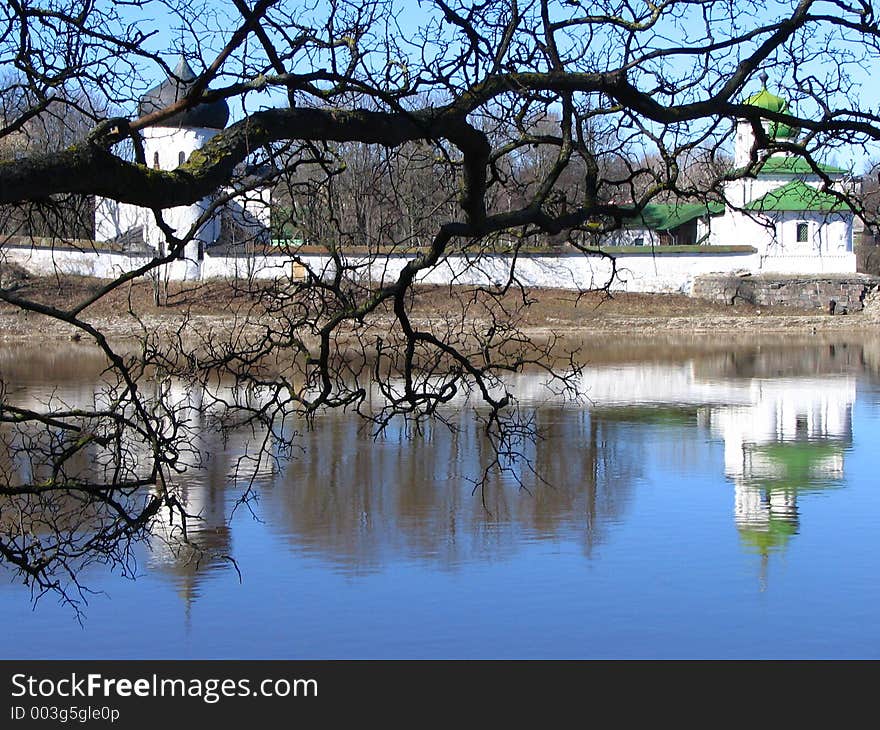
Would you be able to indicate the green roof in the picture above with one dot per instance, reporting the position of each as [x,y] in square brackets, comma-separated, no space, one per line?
[666,216]
[801,465]
[786,165]
[797,196]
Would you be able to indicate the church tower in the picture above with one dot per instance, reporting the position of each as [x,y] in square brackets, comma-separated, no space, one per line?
[171,144]
[167,146]
[742,191]
[745,137]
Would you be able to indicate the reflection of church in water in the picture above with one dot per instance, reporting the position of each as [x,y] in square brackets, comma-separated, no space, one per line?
[187,549]
[783,437]
[791,440]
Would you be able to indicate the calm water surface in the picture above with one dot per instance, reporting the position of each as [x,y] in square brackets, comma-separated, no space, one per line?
[717,502]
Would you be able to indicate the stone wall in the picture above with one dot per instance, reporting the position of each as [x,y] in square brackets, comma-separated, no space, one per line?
[832,294]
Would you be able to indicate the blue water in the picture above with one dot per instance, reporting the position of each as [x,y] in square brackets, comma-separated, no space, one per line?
[655,539]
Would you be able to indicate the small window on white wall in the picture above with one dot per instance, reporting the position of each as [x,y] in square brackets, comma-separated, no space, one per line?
[181,157]
[155,160]
[803,232]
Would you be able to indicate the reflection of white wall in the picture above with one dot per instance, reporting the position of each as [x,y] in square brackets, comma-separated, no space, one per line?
[648,384]
[183,412]
[741,413]
[783,410]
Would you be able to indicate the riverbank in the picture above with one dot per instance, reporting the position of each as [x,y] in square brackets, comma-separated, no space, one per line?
[129,311]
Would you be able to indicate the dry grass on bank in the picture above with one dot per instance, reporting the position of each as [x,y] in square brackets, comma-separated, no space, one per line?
[217,297]
[557,310]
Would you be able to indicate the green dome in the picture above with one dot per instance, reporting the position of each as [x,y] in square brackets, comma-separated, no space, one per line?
[780,130]
[772,103]
[765,100]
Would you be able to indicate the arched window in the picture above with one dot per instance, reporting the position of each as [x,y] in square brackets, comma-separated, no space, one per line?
[155,160]
[802,229]
[181,157]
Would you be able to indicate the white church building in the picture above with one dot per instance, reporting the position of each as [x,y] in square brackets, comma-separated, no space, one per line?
[788,210]
[167,146]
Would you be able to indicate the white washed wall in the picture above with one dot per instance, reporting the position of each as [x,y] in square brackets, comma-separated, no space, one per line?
[112,219]
[635,272]
[102,264]
[48,261]
[668,272]
[844,263]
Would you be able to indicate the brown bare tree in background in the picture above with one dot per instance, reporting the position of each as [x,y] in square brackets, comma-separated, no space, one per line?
[450,127]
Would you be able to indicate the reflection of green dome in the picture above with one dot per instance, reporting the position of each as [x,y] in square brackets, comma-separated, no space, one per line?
[772,103]
[795,467]
[773,536]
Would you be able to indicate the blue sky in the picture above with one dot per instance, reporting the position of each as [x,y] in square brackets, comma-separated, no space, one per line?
[168,39]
